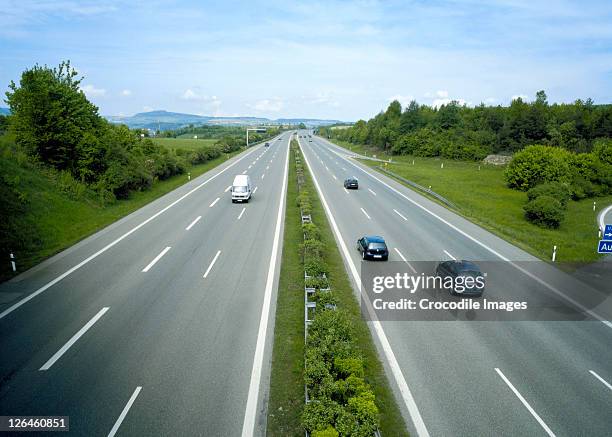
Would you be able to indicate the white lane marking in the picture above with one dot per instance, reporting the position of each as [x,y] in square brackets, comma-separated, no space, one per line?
[250,415]
[157,258]
[603,381]
[127,407]
[212,264]
[244,172]
[335,177]
[409,401]
[347,192]
[371,191]
[481,244]
[255,189]
[267,167]
[263,175]
[215,201]
[344,168]
[227,189]
[366,214]
[250,166]
[400,214]
[525,403]
[197,219]
[241,212]
[114,242]
[449,255]
[326,168]
[405,260]
[56,356]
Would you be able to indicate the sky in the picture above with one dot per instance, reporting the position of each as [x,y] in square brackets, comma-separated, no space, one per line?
[328,59]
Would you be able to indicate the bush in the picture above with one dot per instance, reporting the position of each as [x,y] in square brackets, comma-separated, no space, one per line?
[319,415]
[312,248]
[311,231]
[545,211]
[537,164]
[583,189]
[70,186]
[328,432]
[556,190]
[315,267]
[603,150]
[316,282]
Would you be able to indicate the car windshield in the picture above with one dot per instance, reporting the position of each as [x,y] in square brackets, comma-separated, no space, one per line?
[472,273]
[240,189]
[377,246]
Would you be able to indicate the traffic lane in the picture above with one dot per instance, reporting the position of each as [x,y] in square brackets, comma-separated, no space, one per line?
[40,323]
[150,314]
[473,246]
[468,358]
[50,269]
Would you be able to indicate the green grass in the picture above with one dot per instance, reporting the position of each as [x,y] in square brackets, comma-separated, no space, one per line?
[287,377]
[184,143]
[287,383]
[60,221]
[483,197]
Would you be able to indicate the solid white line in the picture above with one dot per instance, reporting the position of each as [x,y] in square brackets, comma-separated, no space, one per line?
[407,397]
[371,191]
[73,340]
[398,213]
[449,255]
[347,192]
[212,264]
[157,258]
[405,260]
[366,214]
[263,175]
[525,403]
[241,212]
[114,242]
[197,219]
[255,189]
[250,415]
[603,381]
[227,189]
[481,244]
[213,204]
[127,407]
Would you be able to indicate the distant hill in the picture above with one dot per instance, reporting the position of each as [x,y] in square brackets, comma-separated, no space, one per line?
[164,120]
[5,111]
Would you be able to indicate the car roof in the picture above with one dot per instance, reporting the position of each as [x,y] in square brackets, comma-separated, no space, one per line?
[374,239]
[467,265]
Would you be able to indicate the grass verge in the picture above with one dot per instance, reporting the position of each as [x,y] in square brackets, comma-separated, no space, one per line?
[287,383]
[482,197]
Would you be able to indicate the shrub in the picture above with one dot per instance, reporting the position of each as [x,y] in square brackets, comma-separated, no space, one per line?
[324,298]
[311,231]
[603,150]
[537,164]
[319,415]
[316,282]
[315,267]
[328,432]
[312,248]
[582,189]
[556,190]
[545,211]
[70,186]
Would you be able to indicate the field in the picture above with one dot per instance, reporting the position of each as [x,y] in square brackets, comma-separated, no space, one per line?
[184,143]
[482,196]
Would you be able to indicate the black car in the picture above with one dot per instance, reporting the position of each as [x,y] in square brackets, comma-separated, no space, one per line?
[373,247]
[466,276]
[267,145]
[352,183]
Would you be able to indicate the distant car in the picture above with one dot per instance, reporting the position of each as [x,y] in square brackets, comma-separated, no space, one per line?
[471,280]
[267,145]
[373,247]
[351,183]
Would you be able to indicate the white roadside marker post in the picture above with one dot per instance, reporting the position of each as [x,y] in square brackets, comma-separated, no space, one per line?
[554,255]
[594,205]
[442,165]
[13,262]
[189,176]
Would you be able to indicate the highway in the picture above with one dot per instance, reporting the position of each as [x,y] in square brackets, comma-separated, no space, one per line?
[161,323]
[467,378]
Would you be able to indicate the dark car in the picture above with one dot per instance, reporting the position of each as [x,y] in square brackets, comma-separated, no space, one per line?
[352,183]
[466,276]
[267,145]
[373,247]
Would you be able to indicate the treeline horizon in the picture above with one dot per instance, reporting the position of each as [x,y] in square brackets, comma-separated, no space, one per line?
[458,131]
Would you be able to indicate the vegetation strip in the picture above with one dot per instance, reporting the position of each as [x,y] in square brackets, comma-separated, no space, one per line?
[346,389]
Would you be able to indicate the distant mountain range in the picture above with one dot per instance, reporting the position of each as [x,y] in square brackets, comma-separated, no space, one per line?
[164,120]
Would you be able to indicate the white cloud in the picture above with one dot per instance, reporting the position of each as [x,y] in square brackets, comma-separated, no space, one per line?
[442,94]
[126,93]
[268,105]
[92,91]
[490,100]
[190,94]
[439,102]
[404,100]
[522,96]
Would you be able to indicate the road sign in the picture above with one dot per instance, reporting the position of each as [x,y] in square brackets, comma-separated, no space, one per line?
[607,235]
[605,246]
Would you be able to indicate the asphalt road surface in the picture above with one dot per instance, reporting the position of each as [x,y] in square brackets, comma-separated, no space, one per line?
[161,323]
[473,378]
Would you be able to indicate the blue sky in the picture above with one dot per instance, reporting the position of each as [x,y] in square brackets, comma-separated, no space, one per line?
[324,59]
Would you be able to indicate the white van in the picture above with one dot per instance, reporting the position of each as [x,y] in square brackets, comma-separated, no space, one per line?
[241,188]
